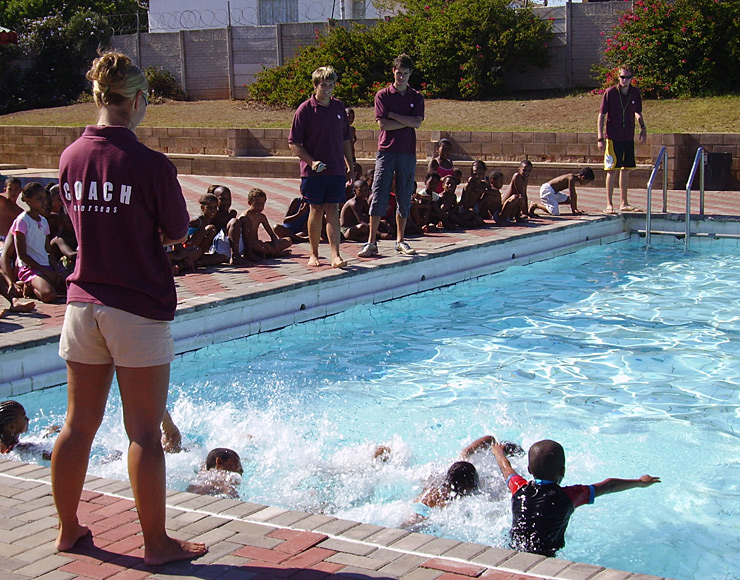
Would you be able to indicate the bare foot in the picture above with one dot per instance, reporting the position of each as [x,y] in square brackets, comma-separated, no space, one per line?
[609,210]
[66,540]
[313,262]
[338,263]
[22,306]
[172,551]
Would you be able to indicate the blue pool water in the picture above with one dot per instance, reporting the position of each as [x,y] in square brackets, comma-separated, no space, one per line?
[630,359]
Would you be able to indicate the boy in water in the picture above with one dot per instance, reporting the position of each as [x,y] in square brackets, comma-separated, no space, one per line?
[551,193]
[517,192]
[276,247]
[541,508]
[216,478]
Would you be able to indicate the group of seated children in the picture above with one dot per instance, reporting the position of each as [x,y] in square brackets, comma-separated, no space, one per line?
[437,206]
[218,235]
[39,251]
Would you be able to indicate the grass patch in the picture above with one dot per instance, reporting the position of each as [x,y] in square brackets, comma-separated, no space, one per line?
[575,113]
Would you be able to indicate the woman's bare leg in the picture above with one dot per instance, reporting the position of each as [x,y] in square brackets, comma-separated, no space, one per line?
[87,393]
[144,396]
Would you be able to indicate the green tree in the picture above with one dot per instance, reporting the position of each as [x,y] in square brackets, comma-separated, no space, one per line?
[678,47]
[13,12]
[462,49]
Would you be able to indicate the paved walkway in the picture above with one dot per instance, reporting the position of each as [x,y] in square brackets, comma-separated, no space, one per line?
[248,540]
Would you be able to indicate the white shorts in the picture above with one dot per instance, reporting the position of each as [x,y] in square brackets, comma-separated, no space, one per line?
[552,199]
[96,335]
[221,245]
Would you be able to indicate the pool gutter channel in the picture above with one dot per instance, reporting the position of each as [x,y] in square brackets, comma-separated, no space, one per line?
[213,319]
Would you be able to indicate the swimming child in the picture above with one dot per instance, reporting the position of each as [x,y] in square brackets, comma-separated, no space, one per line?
[552,193]
[13,424]
[217,477]
[31,231]
[541,508]
[276,247]
[460,480]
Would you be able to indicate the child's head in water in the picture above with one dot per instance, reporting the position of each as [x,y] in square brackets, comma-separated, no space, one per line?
[547,460]
[461,478]
[225,460]
[13,423]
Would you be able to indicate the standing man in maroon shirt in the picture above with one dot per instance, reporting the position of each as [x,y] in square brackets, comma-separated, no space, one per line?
[620,106]
[399,111]
[321,139]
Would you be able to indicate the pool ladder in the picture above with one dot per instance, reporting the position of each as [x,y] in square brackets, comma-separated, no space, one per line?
[700,160]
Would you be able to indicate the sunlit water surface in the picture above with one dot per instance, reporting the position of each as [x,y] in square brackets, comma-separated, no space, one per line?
[630,359]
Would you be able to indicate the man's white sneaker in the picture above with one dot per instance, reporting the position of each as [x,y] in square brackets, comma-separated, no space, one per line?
[405,249]
[368,250]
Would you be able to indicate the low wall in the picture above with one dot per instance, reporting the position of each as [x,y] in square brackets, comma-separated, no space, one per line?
[41,147]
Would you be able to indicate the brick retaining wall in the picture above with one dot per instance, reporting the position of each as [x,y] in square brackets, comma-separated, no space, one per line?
[41,147]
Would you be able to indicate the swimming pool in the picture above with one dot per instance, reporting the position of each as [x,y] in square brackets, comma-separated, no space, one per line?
[629,359]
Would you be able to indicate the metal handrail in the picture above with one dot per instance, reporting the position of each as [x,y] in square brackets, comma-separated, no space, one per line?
[699,159]
[662,159]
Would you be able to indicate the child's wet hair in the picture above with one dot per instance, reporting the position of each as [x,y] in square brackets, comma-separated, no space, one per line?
[221,453]
[587,174]
[462,477]
[9,412]
[255,193]
[547,460]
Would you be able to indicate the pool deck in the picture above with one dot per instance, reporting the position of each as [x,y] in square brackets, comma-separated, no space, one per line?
[247,540]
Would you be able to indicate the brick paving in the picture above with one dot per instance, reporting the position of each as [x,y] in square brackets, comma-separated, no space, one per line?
[247,540]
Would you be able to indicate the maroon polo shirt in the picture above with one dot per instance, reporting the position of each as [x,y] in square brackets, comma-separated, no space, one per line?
[410,104]
[620,112]
[322,131]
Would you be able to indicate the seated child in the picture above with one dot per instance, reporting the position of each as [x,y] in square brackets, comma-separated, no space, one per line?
[355,216]
[229,238]
[420,215]
[541,508]
[217,476]
[357,173]
[63,239]
[202,231]
[295,222]
[428,197]
[505,212]
[33,251]
[454,213]
[551,193]
[10,288]
[442,163]
[478,195]
[517,192]
[276,247]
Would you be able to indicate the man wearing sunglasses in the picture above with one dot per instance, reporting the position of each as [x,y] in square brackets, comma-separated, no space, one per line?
[620,106]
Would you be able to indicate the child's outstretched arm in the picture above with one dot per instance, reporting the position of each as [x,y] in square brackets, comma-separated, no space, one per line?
[480,443]
[499,452]
[613,484]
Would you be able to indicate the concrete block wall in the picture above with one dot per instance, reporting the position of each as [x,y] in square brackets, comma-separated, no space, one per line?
[265,152]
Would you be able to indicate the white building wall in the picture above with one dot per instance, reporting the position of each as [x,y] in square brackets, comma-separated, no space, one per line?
[176,15]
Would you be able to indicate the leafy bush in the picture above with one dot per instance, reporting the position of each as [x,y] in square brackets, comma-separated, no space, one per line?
[60,51]
[678,47]
[163,84]
[462,49]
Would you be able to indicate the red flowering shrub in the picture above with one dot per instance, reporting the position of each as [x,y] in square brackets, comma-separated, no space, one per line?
[678,47]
